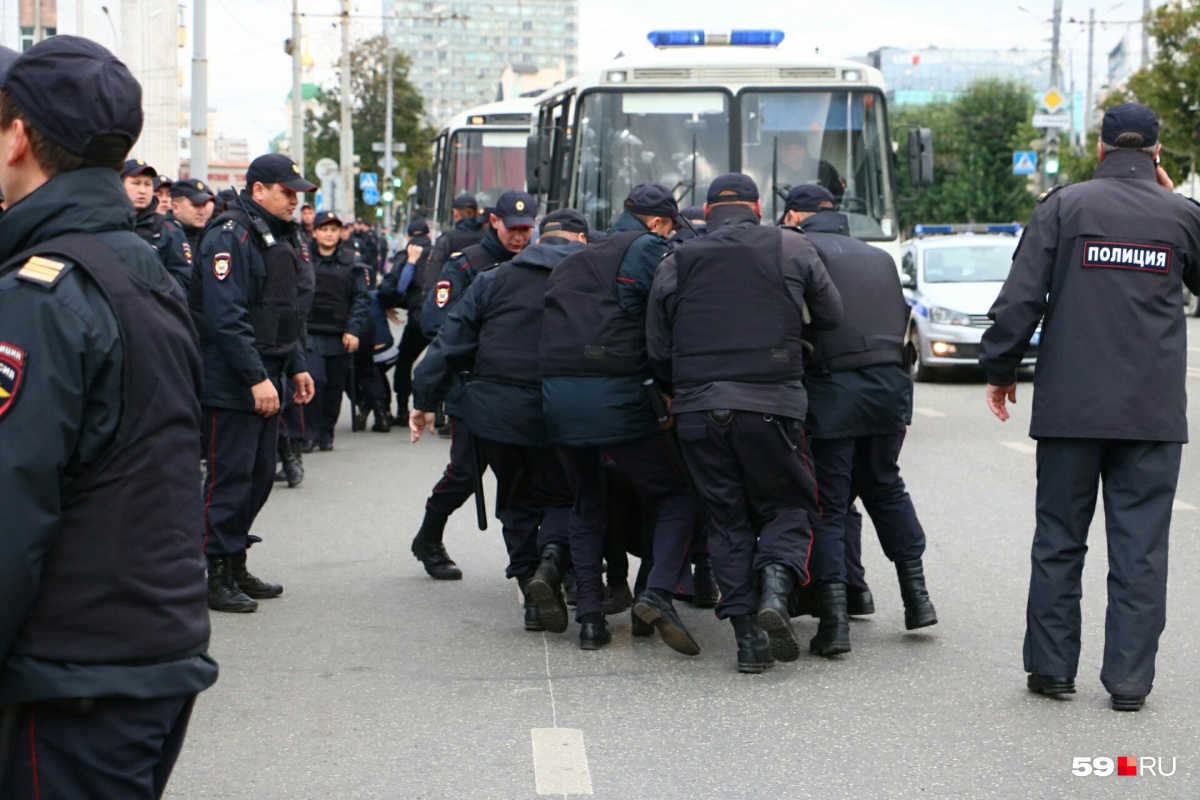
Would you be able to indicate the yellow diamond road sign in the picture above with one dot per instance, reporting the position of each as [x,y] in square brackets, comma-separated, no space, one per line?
[1053,100]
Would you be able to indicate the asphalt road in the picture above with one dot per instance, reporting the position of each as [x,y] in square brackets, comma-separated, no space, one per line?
[369,680]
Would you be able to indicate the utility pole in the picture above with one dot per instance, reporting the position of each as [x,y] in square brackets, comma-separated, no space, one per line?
[79,18]
[345,202]
[39,32]
[1055,70]
[1145,33]
[1089,109]
[297,90]
[199,154]
[387,145]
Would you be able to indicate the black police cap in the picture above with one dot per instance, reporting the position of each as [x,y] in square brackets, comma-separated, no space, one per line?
[465,201]
[732,187]
[809,197]
[655,200]
[135,166]
[195,190]
[564,219]
[326,218]
[1129,118]
[79,96]
[417,227]
[8,57]
[161,181]
[692,213]
[277,168]
[516,209]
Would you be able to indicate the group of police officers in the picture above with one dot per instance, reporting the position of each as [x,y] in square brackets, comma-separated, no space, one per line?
[640,390]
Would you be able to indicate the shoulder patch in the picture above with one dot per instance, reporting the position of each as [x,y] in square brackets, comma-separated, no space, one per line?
[12,368]
[43,271]
[442,295]
[304,252]
[1046,194]
[187,253]
[221,265]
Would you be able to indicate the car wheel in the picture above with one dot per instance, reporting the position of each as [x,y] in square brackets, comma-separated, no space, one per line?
[920,370]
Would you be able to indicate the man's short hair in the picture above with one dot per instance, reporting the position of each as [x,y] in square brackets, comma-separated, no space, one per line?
[53,159]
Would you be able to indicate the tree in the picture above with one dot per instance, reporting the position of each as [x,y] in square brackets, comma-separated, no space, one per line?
[975,135]
[368,83]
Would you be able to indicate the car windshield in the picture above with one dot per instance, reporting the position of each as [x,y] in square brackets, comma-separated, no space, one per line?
[678,139]
[485,164]
[968,264]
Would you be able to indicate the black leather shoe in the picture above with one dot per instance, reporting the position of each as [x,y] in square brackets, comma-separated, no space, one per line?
[437,561]
[532,621]
[660,613]
[754,648]
[325,447]
[617,598]
[639,628]
[777,583]
[381,420]
[918,610]
[1049,684]
[707,592]
[833,631]
[593,635]
[1128,702]
[307,446]
[249,584]
[545,587]
[859,602]
[223,593]
[802,602]
[292,470]
[358,419]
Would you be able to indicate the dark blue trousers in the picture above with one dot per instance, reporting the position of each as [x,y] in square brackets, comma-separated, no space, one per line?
[588,525]
[533,501]
[1139,480]
[240,448]
[329,380]
[866,467]
[120,748]
[455,486]
[760,495]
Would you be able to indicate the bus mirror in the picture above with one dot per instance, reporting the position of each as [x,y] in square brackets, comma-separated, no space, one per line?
[424,189]
[536,161]
[920,157]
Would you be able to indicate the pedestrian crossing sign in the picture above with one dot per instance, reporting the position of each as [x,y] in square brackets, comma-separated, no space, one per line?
[1024,162]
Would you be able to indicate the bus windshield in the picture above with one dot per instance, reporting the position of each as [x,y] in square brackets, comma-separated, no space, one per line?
[834,139]
[679,139]
[485,164]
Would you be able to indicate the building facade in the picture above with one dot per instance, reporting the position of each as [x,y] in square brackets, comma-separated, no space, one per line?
[932,74]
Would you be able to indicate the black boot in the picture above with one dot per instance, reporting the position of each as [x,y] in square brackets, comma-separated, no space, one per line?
[859,602]
[532,621]
[293,471]
[707,591]
[381,421]
[777,583]
[617,598]
[249,584]
[358,417]
[833,631]
[593,632]
[754,649]
[427,547]
[655,607]
[918,610]
[802,602]
[223,593]
[545,587]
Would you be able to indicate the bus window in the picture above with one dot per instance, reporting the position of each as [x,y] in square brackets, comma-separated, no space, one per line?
[485,164]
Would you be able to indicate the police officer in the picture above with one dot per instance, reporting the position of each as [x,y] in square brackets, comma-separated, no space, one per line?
[169,243]
[594,368]
[469,228]
[725,326]
[1100,265]
[340,317]
[399,288]
[191,208]
[162,193]
[246,302]
[512,225]
[859,407]
[494,331]
[103,626]
[307,214]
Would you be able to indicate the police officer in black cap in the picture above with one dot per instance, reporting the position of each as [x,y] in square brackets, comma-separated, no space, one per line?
[494,332]
[246,301]
[594,369]
[511,228]
[400,289]
[725,329]
[859,408]
[1102,265]
[103,626]
[469,228]
[162,193]
[192,204]
[168,242]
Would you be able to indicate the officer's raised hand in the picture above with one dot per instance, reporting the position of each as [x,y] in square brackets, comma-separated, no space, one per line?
[996,395]
[419,420]
[266,398]
[305,389]
[414,253]
[350,342]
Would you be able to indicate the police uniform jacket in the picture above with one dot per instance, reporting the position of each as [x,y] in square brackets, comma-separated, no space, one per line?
[857,380]
[588,402]
[341,302]
[1104,262]
[102,589]
[168,241]
[493,333]
[465,233]
[248,305]
[190,232]
[727,313]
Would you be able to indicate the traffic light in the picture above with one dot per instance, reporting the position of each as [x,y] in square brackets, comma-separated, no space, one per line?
[1052,154]
[388,196]
[397,183]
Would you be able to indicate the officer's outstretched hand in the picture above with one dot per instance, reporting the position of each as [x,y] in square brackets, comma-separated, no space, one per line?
[350,342]
[305,389]
[266,398]
[996,395]
[418,421]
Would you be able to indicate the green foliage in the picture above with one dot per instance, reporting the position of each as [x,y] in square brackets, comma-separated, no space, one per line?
[368,82]
[974,136]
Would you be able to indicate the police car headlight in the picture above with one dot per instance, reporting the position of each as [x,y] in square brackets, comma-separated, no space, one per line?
[946,316]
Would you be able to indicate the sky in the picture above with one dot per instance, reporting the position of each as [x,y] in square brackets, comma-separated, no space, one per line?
[250,76]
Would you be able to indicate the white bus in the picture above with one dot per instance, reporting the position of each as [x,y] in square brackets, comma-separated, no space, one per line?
[702,104]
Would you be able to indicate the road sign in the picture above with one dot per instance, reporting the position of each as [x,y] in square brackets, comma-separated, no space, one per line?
[1058,121]
[371,196]
[368,180]
[388,166]
[1024,162]
[397,147]
[327,169]
[1053,100]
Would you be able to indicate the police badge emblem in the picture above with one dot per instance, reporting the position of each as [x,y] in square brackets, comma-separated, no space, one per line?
[442,294]
[12,368]
[187,253]
[221,266]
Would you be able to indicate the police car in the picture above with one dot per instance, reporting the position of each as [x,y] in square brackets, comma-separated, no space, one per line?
[951,275]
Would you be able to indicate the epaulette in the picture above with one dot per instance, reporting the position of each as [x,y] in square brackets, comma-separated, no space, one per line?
[229,225]
[1044,195]
[42,271]
[456,254]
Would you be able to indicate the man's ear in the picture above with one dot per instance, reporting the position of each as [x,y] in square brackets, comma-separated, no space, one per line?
[20,143]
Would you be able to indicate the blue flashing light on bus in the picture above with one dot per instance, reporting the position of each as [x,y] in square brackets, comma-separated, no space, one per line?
[676,38]
[697,38]
[756,38]
[1012,227]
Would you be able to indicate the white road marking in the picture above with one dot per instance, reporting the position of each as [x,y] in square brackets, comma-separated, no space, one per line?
[1179,505]
[1021,447]
[559,763]
[928,412]
[1193,372]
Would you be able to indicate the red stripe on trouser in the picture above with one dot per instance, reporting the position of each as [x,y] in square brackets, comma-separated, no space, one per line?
[212,477]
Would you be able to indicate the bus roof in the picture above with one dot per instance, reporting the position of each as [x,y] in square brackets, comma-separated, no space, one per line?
[513,114]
